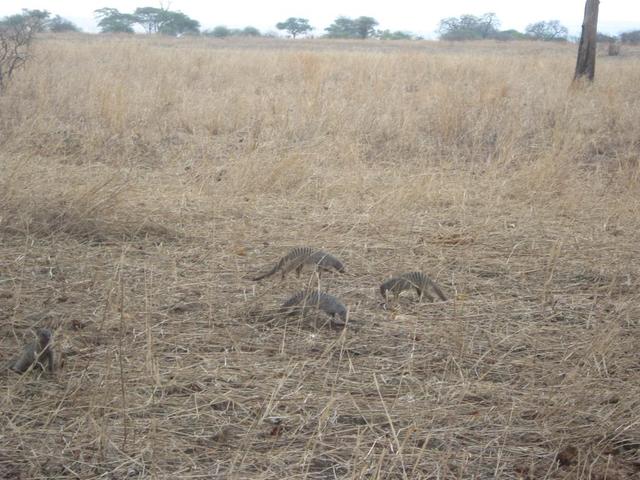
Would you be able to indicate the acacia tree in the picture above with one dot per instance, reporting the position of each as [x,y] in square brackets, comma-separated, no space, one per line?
[177,23]
[469,27]
[150,18]
[112,21]
[16,34]
[342,27]
[365,27]
[552,30]
[295,26]
[489,25]
[250,31]
[35,20]
[58,25]
[38,19]
[345,27]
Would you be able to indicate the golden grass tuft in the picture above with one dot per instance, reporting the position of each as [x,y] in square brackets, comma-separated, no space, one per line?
[142,180]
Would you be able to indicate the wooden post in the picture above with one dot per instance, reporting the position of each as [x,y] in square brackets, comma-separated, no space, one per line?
[586,64]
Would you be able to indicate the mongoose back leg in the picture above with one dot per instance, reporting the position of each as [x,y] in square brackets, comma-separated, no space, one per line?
[38,353]
[411,280]
[423,294]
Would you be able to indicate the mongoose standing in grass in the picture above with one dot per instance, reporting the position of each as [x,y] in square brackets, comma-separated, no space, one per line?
[39,352]
[417,280]
[297,258]
[304,300]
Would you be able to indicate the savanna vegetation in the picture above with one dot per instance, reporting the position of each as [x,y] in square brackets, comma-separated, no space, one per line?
[144,178]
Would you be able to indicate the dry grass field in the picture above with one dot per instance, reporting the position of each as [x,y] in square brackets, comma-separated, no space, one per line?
[142,181]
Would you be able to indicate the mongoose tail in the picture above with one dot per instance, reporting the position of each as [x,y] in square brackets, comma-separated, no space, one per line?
[38,352]
[436,289]
[265,275]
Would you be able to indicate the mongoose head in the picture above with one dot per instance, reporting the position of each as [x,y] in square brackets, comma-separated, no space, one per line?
[335,264]
[44,336]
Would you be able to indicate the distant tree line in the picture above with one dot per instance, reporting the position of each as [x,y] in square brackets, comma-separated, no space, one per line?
[222,31]
[632,37]
[487,26]
[345,27]
[154,20]
[163,21]
[151,19]
[39,21]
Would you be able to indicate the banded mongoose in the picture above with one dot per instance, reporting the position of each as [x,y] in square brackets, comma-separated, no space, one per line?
[304,300]
[297,258]
[37,352]
[417,280]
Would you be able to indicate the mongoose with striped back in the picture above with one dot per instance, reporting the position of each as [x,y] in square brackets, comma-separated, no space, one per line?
[297,258]
[305,300]
[38,352]
[406,281]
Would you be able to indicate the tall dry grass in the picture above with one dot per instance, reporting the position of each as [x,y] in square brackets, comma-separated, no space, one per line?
[143,179]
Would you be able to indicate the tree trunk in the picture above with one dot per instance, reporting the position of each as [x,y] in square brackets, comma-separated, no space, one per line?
[586,64]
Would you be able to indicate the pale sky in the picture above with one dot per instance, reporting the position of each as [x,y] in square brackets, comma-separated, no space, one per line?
[417,16]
